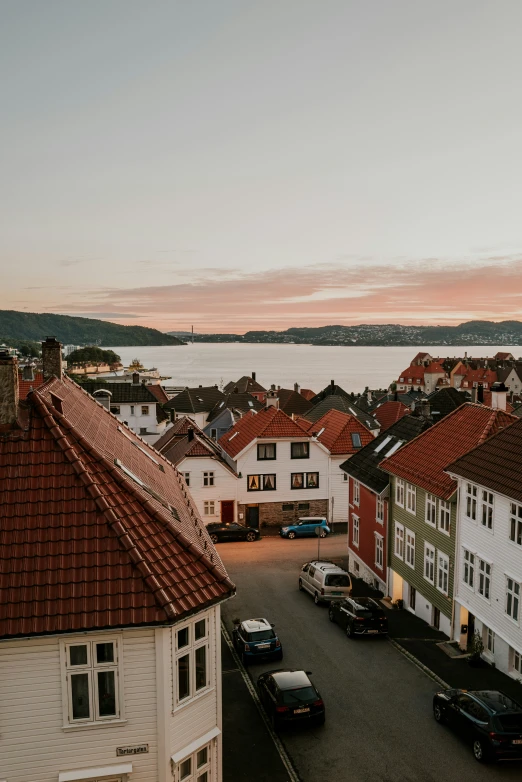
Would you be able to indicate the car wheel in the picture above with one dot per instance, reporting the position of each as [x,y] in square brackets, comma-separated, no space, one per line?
[316,599]
[322,534]
[438,713]
[251,536]
[291,535]
[301,587]
[480,752]
[331,615]
[349,631]
[214,538]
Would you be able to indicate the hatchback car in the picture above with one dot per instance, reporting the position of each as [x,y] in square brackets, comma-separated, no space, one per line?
[289,697]
[359,616]
[220,532]
[306,527]
[256,641]
[488,719]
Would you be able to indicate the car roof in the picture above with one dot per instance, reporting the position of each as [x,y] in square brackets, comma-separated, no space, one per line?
[290,679]
[256,625]
[494,700]
[312,518]
[365,603]
[322,565]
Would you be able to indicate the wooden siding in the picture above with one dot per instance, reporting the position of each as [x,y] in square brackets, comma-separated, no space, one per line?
[225,484]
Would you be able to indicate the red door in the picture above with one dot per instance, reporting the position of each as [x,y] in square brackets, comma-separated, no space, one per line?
[227,511]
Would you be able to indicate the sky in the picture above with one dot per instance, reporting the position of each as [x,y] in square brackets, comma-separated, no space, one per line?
[261,164]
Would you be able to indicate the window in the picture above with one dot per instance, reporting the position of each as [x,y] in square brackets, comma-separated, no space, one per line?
[487,510]
[261,482]
[196,767]
[468,574]
[208,479]
[379,551]
[253,482]
[399,492]
[302,480]
[515,523]
[266,451]
[512,598]
[192,669]
[380,511]
[355,536]
[303,506]
[143,430]
[444,516]
[411,498]
[209,508]
[429,563]
[144,409]
[300,450]
[516,661]
[471,501]
[356,440]
[92,681]
[410,548]
[214,434]
[431,509]
[345,476]
[115,409]
[443,574]
[484,584]
[312,480]
[132,409]
[488,639]
[399,541]
[297,480]
[269,482]
[186,476]
[356,495]
[287,506]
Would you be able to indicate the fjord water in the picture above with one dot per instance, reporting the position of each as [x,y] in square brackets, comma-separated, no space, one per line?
[311,366]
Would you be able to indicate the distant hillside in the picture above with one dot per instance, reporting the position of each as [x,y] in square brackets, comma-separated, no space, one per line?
[22,326]
[474,332]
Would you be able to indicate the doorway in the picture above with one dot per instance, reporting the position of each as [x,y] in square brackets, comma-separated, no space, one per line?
[471,627]
[252,516]
[413,595]
[227,511]
[436,618]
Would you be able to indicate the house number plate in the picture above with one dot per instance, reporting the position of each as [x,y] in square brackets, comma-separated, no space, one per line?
[139,749]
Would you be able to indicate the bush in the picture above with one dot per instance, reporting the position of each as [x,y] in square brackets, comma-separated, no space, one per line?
[93,355]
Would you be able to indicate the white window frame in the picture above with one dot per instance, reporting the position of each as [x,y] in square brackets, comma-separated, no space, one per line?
[429,562]
[515,523]
[484,579]
[186,477]
[379,551]
[91,668]
[195,773]
[411,499]
[209,478]
[356,499]
[431,510]
[470,510]
[486,510]
[443,573]
[444,517]
[346,477]
[409,550]
[513,591]
[209,508]
[190,650]
[379,511]
[355,530]
[515,661]
[468,568]
[488,639]
[399,492]
[398,545]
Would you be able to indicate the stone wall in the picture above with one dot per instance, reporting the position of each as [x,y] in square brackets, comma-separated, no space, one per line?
[271,514]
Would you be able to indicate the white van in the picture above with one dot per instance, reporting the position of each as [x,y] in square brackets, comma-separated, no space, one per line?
[325,581]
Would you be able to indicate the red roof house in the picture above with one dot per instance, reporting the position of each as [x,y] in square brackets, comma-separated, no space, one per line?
[334,430]
[267,423]
[389,413]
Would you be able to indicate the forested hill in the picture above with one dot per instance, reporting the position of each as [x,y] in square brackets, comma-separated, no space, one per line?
[474,332]
[69,330]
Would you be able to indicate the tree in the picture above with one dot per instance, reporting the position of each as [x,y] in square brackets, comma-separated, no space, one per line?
[93,355]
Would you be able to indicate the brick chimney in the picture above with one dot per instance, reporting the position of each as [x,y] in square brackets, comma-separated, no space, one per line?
[190,434]
[135,378]
[8,388]
[52,358]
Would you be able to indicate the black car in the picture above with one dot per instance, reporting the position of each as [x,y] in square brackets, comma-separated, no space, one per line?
[359,616]
[289,697]
[489,720]
[232,531]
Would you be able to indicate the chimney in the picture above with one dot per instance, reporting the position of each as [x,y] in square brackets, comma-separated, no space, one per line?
[332,385]
[190,434]
[254,376]
[8,388]
[52,358]
[272,399]
[28,372]
[135,378]
[474,395]
[236,390]
[296,388]
[498,396]
[480,394]
[425,408]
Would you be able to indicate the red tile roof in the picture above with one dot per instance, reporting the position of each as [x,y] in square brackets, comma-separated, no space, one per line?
[336,431]
[177,431]
[307,393]
[159,392]
[268,423]
[26,386]
[424,460]
[478,376]
[85,545]
[389,413]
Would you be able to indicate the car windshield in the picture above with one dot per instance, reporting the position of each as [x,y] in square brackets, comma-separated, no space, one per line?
[301,695]
[337,580]
[511,722]
[261,635]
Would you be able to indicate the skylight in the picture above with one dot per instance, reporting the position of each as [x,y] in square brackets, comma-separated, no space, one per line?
[395,447]
[356,440]
[231,438]
[352,411]
[250,404]
[383,444]
[148,455]
[319,433]
[146,488]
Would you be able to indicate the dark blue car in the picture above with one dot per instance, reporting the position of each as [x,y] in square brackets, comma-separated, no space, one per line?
[305,528]
[256,641]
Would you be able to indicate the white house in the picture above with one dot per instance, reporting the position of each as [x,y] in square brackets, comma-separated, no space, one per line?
[209,473]
[488,563]
[195,403]
[110,594]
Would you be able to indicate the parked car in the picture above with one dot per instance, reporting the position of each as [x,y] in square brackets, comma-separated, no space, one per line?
[256,641]
[325,581]
[220,532]
[489,720]
[306,527]
[289,697]
[359,616]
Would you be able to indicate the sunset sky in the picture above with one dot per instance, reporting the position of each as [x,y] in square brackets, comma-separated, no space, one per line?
[244,164]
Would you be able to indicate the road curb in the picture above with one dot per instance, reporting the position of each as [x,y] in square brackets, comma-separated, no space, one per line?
[424,668]
[293,776]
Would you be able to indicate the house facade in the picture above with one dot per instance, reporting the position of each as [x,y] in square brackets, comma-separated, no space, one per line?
[132,403]
[488,568]
[109,642]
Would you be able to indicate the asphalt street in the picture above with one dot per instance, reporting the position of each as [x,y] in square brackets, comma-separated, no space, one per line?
[379,723]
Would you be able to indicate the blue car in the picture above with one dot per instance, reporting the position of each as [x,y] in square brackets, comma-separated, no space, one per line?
[306,527]
[256,641]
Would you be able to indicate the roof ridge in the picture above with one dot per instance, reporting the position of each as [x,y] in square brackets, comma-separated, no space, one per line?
[491,421]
